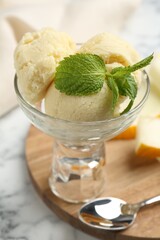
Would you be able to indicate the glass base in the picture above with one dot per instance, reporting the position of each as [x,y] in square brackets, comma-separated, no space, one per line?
[78,172]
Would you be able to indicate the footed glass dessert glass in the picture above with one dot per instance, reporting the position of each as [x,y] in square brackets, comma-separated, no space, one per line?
[78,165]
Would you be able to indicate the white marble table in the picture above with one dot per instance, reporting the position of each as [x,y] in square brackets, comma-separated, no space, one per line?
[23,216]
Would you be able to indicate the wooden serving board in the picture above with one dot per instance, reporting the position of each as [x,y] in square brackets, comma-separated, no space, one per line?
[127,177]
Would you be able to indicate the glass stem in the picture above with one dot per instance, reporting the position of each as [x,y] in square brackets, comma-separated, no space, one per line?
[77,171]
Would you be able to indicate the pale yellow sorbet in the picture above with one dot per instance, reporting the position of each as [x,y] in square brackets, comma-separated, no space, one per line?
[36,58]
[112,49]
[79,108]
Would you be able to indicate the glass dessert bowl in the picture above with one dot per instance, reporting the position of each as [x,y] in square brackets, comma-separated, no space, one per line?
[78,165]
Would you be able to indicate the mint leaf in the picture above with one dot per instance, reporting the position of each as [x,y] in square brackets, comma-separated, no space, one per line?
[120,71]
[115,91]
[80,74]
[127,86]
[129,89]
[143,63]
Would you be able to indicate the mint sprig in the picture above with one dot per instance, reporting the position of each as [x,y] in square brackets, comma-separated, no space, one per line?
[126,82]
[84,74]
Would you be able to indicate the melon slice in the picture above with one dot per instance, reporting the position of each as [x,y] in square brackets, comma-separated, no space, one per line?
[129,133]
[151,108]
[148,137]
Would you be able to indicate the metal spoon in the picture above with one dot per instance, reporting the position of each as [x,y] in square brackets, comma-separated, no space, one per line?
[112,213]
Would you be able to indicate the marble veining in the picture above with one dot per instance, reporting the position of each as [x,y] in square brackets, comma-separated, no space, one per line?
[23,216]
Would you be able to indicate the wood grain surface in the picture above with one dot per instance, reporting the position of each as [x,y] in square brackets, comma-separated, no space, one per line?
[127,177]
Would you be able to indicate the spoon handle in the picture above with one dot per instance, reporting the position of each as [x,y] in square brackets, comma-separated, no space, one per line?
[149,201]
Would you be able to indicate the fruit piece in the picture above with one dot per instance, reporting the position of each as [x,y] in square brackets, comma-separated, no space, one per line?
[129,133]
[151,108]
[147,137]
[153,71]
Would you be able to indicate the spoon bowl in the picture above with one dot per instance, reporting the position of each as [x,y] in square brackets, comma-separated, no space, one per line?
[112,213]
